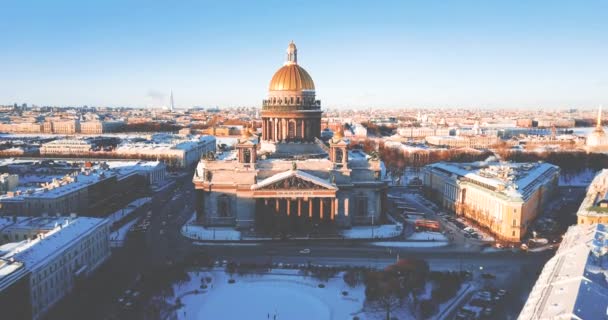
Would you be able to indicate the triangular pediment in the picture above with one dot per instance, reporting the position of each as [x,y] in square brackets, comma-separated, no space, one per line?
[246,143]
[293,180]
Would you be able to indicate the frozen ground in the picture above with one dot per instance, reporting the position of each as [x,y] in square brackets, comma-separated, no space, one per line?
[410,244]
[282,294]
[437,236]
[373,232]
[580,179]
[278,295]
[201,233]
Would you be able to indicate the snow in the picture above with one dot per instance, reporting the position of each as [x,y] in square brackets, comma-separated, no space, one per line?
[129,209]
[579,179]
[373,232]
[214,234]
[283,293]
[118,237]
[428,236]
[36,253]
[230,244]
[410,244]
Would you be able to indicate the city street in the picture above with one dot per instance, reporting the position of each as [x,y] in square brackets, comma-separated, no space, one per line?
[162,245]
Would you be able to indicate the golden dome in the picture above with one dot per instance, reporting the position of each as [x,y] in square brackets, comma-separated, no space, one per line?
[291,77]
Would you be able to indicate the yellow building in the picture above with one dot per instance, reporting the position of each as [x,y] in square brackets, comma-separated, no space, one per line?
[503,197]
[594,208]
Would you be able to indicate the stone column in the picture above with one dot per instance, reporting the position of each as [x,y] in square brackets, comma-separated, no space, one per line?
[346,207]
[310,202]
[288,203]
[284,133]
[299,207]
[337,204]
[321,208]
[276,204]
[332,209]
[302,129]
[265,129]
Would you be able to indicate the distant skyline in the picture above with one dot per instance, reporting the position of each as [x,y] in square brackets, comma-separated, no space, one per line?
[433,53]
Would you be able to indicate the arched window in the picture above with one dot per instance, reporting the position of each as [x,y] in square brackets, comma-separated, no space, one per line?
[291,100]
[298,100]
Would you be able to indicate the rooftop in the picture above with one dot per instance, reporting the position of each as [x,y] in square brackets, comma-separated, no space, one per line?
[53,185]
[513,179]
[33,253]
[574,283]
[597,191]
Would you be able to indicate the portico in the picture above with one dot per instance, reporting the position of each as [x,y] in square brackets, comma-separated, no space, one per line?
[297,193]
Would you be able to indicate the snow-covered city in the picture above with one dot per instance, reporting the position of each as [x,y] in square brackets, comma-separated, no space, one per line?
[303,160]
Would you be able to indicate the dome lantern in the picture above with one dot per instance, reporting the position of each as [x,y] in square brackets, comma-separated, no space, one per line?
[291,76]
[292,54]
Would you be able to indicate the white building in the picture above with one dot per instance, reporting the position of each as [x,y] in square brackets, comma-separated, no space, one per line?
[66,147]
[40,270]
[422,132]
[179,153]
[573,284]
[155,172]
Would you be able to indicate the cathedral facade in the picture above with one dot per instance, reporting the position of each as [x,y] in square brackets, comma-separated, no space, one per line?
[288,176]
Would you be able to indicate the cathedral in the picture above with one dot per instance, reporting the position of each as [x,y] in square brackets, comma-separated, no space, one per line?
[287,177]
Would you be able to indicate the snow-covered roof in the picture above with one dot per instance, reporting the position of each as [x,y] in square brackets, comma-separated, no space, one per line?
[574,283]
[597,190]
[34,253]
[293,173]
[513,179]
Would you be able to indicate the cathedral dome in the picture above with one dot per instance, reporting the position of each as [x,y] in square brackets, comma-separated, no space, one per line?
[291,77]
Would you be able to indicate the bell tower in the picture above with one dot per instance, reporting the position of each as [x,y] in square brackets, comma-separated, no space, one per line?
[338,153]
[247,148]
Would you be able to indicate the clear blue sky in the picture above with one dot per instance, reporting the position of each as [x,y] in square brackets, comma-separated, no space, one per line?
[360,53]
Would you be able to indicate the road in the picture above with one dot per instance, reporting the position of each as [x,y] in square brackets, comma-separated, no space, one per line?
[367,255]
[146,254]
[163,245]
